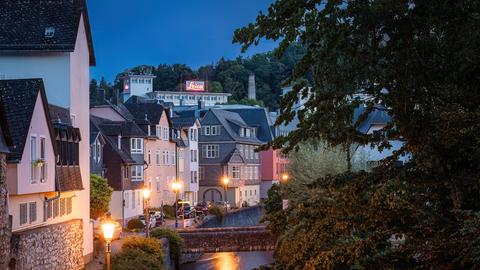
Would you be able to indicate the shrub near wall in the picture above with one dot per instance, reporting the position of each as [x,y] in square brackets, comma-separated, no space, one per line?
[175,241]
[139,253]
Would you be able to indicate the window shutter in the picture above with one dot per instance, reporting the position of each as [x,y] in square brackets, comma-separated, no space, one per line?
[33,211]
[23,213]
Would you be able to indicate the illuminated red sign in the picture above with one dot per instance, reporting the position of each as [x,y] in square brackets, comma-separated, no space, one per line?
[195,85]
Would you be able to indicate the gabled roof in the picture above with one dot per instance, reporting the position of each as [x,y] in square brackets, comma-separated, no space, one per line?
[23,25]
[17,101]
[110,131]
[146,111]
[59,114]
[179,122]
[227,119]
[254,117]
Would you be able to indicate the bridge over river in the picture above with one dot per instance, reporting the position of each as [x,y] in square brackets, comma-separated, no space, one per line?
[239,230]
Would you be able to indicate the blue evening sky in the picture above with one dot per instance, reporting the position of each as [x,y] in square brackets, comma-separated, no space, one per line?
[128,33]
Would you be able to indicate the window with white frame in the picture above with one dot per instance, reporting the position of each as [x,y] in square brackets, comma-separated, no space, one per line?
[158,131]
[126,199]
[235,172]
[210,150]
[251,151]
[158,157]
[206,130]
[137,173]
[255,172]
[165,155]
[33,157]
[136,145]
[165,133]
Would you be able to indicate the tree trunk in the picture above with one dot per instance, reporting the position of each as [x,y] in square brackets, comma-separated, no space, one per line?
[5,228]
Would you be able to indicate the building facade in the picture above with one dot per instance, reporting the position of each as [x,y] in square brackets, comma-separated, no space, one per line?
[185,132]
[53,42]
[226,145]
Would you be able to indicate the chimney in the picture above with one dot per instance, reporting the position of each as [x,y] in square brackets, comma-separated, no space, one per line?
[251,87]
[201,104]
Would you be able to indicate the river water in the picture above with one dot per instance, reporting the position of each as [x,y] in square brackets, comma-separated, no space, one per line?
[230,261]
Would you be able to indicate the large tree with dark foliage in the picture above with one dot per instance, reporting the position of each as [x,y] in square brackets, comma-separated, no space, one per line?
[421,59]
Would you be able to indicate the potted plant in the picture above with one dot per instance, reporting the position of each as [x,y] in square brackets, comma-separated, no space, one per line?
[38,163]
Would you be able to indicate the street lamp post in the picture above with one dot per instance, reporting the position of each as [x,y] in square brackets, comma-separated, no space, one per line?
[176,186]
[285,177]
[225,181]
[146,197]
[108,227]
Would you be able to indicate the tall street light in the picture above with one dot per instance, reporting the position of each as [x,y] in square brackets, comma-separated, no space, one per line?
[108,228]
[176,186]
[285,177]
[225,181]
[146,197]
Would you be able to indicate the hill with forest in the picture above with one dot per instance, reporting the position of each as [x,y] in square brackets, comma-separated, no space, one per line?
[229,76]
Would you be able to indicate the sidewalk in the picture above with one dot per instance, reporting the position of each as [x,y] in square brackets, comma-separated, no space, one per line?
[98,262]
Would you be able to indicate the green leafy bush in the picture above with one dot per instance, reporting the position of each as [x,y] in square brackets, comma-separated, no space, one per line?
[135,224]
[175,240]
[136,252]
[216,211]
[100,196]
[169,211]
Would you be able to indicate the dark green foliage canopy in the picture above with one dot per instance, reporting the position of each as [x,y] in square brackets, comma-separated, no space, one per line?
[421,59]
[100,196]
[139,253]
[229,76]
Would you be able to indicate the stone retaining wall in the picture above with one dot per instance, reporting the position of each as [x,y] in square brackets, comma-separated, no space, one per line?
[227,239]
[243,217]
[57,246]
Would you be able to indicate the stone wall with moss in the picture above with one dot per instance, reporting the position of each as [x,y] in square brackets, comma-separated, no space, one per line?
[57,246]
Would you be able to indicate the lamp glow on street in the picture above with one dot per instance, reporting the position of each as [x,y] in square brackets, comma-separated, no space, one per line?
[176,186]
[225,180]
[108,227]
[146,193]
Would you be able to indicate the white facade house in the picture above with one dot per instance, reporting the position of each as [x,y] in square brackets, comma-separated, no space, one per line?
[191,186]
[65,74]
[190,98]
[136,85]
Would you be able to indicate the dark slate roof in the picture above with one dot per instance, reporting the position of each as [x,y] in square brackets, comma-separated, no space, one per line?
[181,122]
[110,131]
[146,111]
[23,24]
[3,144]
[59,114]
[227,119]
[256,117]
[378,116]
[17,102]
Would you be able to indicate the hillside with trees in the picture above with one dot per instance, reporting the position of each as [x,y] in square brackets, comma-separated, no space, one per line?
[229,76]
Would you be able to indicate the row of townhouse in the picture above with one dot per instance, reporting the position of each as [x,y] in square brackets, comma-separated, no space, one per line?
[46,51]
[228,139]
[136,146]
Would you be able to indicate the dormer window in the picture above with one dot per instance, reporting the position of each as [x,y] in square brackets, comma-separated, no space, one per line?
[49,32]
[136,145]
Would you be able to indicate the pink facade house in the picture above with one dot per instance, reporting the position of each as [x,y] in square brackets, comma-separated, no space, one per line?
[273,165]
[51,40]
[160,150]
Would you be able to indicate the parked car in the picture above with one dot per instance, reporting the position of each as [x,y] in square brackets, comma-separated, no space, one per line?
[159,217]
[201,208]
[153,221]
[184,209]
[98,232]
